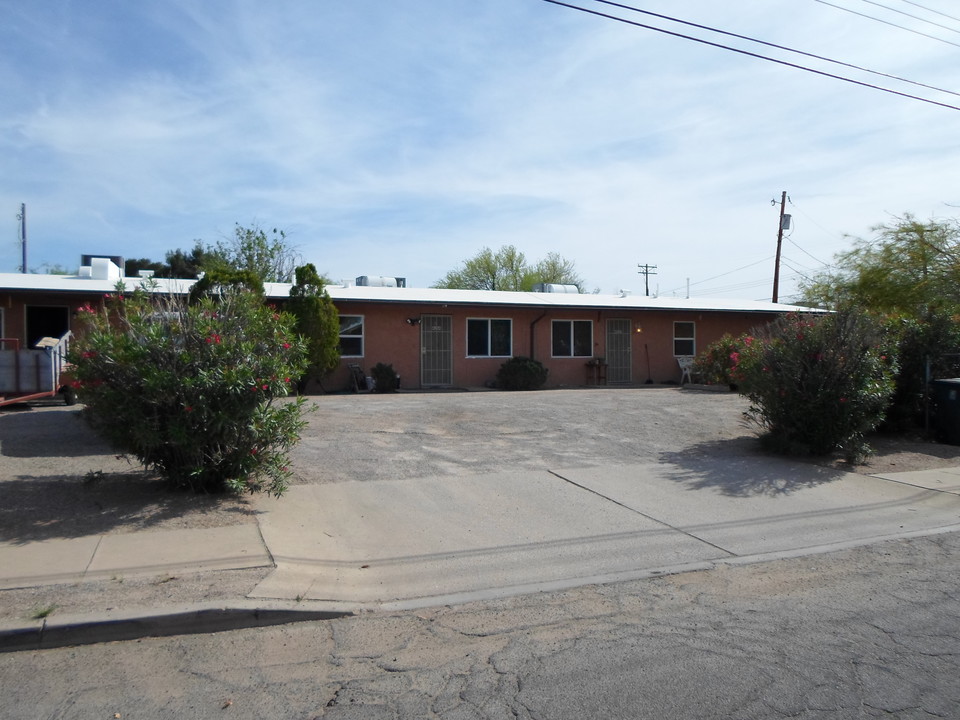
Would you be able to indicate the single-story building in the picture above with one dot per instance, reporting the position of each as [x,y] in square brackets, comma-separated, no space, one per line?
[446,338]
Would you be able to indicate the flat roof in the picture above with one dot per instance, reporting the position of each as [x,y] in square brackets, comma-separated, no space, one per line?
[86,285]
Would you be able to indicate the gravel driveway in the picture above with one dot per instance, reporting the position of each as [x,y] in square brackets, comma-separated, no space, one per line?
[57,479]
[397,436]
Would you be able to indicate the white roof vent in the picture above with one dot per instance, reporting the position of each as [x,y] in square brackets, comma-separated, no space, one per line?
[104,269]
[380,281]
[556,288]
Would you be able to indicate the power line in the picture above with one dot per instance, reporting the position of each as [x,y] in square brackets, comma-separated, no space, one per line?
[755,55]
[935,12]
[910,15]
[776,46]
[885,22]
[730,272]
[790,240]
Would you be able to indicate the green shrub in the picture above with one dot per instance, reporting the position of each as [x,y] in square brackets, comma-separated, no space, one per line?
[385,378]
[817,383]
[715,364]
[193,390]
[522,373]
[924,345]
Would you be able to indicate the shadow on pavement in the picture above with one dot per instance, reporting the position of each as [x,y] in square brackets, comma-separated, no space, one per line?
[739,468]
[27,432]
[34,508]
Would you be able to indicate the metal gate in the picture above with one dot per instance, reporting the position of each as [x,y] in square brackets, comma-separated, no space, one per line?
[436,350]
[619,358]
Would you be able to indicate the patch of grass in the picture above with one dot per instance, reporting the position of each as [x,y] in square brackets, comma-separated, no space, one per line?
[43,611]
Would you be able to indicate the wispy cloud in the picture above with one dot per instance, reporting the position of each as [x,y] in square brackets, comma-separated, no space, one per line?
[401,138]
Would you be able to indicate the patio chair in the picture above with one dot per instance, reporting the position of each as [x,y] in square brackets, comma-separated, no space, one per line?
[686,368]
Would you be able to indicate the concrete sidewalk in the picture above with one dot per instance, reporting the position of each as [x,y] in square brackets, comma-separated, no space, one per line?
[396,544]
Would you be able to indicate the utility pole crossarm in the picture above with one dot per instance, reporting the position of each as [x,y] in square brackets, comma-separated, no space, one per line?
[646,271]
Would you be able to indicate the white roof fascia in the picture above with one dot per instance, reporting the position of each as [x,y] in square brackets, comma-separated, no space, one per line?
[84,285]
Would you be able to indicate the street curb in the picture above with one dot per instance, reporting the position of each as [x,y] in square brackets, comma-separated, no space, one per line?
[54,632]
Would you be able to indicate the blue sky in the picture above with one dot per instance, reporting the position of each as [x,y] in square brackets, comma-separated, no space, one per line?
[400,138]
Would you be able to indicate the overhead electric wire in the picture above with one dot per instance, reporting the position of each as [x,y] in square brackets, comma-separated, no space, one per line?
[776,46]
[909,15]
[755,55]
[885,22]
[729,272]
[807,254]
[931,10]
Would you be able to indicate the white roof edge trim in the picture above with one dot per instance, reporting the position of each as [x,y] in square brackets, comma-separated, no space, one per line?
[76,284]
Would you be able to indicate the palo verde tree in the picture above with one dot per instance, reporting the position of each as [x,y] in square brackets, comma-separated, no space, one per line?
[251,249]
[316,321]
[269,255]
[508,269]
[909,275]
[911,269]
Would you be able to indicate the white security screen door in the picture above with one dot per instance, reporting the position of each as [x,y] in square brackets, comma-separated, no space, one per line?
[619,359]
[436,350]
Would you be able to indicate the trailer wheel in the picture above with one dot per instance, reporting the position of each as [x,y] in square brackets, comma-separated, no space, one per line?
[69,396]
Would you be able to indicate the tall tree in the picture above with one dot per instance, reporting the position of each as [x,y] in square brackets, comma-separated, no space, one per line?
[556,269]
[190,264]
[316,321]
[909,274]
[252,248]
[131,268]
[912,268]
[508,269]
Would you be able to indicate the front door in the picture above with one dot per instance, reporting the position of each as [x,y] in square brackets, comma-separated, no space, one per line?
[619,358]
[436,350]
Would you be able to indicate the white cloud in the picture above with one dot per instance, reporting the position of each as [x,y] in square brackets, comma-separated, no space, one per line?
[409,135]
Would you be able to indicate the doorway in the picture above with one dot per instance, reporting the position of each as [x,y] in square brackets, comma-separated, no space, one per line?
[619,356]
[45,321]
[436,350]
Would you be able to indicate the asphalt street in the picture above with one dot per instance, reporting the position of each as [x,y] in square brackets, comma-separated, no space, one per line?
[868,632]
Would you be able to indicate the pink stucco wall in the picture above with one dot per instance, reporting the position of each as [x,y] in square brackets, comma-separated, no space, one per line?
[389,338]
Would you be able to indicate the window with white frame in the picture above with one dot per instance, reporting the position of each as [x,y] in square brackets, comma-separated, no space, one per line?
[489,337]
[351,335]
[684,338]
[572,338]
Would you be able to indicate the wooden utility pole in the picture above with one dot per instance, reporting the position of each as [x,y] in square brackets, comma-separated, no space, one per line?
[776,267]
[647,271]
[23,235]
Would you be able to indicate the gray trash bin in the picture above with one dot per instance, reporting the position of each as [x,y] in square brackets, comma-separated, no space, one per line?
[946,416]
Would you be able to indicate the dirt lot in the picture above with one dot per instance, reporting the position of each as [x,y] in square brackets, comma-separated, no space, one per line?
[59,480]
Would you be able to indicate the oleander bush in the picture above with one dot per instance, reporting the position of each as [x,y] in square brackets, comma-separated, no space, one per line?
[818,383]
[195,391]
[714,366]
